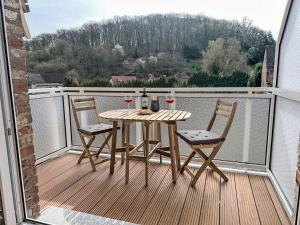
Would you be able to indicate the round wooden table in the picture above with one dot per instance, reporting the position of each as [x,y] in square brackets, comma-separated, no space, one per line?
[128,116]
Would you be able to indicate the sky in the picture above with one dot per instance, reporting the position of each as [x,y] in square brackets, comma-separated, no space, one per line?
[49,16]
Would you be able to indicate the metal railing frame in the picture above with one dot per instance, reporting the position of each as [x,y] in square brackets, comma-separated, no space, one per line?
[227,92]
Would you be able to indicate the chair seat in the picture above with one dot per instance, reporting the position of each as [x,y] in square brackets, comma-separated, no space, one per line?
[199,137]
[95,129]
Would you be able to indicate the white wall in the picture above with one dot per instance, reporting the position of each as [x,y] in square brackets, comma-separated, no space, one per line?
[287,112]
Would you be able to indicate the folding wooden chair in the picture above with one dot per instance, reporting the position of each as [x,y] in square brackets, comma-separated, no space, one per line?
[202,139]
[90,131]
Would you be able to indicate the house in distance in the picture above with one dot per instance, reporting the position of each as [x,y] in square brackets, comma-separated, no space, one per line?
[116,80]
[45,80]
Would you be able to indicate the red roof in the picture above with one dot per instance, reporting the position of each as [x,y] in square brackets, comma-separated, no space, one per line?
[119,79]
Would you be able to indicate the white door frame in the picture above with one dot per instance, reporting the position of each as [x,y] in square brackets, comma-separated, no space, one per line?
[5,178]
[5,174]
[10,173]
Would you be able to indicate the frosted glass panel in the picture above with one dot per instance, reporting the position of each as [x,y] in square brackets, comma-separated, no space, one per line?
[285,145]
[234,148]
[48,125]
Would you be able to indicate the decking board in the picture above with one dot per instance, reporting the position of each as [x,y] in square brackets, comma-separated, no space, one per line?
[210,210]
[243,200]
[156,206]
[123,203]
[119,192]
[92,198]
[57,185]
[173,209]
[246,204]
[85,183]
[279,208]
[229,213]
[265,207]
[42,167]
[191,210]
[140,203]
[46,172]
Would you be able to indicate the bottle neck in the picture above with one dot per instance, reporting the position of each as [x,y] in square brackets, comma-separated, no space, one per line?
[144,92]
[144,99]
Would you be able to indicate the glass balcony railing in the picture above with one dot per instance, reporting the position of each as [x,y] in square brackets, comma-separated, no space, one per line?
[247,143]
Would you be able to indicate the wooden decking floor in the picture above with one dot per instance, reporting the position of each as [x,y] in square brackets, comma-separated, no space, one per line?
[243,200]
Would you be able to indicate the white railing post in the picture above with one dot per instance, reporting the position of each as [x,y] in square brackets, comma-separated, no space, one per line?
[54,118]
[270,131]
[246,145]
[67,121]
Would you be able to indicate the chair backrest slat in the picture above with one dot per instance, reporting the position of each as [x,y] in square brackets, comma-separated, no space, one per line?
[222,113]
[82,104]
[225,109]
[83,100]
[224,103]
[84,108]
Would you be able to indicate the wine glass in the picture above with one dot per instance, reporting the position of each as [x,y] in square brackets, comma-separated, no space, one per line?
[128,99]
[169,100]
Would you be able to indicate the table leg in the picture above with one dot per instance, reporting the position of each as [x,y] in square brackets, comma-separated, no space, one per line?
[113,146]
[127,135]
[123,143]
[171,141]
[159,139]
[146,152]
[176,148]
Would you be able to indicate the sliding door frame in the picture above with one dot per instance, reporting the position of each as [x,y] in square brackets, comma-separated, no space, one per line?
[11,182]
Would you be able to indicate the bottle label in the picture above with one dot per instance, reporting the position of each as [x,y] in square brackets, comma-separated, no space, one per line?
[144,102]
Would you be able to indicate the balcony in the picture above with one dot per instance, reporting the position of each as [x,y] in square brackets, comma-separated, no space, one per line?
[250,197]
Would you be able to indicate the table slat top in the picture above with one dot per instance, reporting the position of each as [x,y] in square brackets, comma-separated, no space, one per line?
[133,115]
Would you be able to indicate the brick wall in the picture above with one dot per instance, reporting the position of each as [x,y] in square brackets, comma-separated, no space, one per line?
[20,89]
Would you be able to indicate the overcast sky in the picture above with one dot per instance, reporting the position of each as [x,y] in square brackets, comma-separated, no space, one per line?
[48,16]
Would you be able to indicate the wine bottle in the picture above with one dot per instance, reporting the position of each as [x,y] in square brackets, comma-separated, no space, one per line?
[154,104]
[144,99]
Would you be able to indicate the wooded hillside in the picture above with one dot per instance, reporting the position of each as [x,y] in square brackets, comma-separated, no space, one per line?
[113,46]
